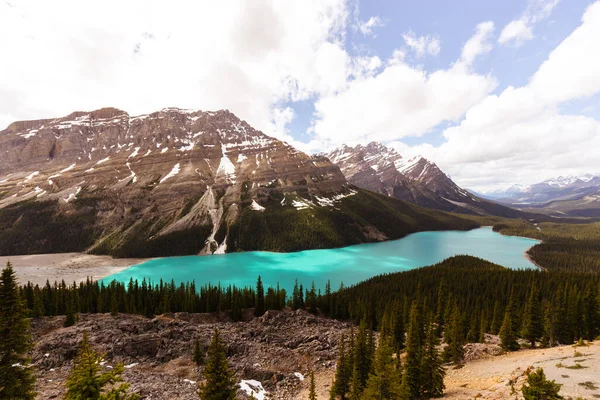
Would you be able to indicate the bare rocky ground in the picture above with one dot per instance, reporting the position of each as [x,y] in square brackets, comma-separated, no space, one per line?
[272,350]
[157,352]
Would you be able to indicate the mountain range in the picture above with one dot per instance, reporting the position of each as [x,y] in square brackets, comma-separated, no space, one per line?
[382,169]
[564,195]
[193,182]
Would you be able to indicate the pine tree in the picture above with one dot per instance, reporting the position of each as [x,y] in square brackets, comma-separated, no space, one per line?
[508,338]
[362,358]
[259,308]
[482,328]
[538,387]
[198,353]
[219,384]
[312,392]
[296,297]
[591,314]
[411,376]
[236,307]
[17,380]
[87,380]
[356,386]
[474,327]
[70,319]
[311,299]
[114,304]
[497,318]
[343,371]
[454,337]
[533,318]
[432,369]
[384,382]
[398,330]
[441,306]
[38,305]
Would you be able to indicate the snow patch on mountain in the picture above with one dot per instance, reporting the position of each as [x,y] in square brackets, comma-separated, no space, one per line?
[256,207]
[173,172]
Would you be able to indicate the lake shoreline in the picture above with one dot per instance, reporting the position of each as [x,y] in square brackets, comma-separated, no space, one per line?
[70,267]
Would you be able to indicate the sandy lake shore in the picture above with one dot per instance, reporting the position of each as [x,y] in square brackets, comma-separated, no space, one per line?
[72,267]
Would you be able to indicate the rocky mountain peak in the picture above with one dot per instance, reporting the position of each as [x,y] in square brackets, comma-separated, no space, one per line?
[381,168]
[156,163]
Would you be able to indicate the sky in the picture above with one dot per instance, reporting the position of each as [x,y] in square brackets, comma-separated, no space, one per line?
[495,93]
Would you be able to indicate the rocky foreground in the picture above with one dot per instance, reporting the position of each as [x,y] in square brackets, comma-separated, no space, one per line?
[277,350]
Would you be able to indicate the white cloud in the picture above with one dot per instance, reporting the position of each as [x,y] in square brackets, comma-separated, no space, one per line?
[521,135]
[401,100]
[478,44]
[518,31]
[143,55]
[366,27]
[422,45]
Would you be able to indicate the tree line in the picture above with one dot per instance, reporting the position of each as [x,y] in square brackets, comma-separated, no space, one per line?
[457,301]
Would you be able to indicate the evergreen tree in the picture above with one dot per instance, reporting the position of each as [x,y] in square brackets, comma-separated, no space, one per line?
[482,328]
[432,369]
[70,312]
[411,376]
[538,387]
[533,318]
[384,381]
[219,384]
[236,308]
[591,314]
[114,303]
[508,339]
[296,297]
[454,337]
[511,308]
[362,358]
[442,300]
[312,391]
[343,372]
[497,318]
[474,327]
[398,330]
[17,380]
[311,299]
[38,305]
[198,353]
[87,381]
[259,308]
[356,385]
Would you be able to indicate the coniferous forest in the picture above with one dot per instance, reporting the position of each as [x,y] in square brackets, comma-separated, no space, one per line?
[400,319]
[454,302]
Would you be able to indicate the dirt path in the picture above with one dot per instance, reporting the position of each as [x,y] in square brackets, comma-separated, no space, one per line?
[68,266]
[489,377]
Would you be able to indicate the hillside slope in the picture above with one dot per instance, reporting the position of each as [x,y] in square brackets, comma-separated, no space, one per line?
[179,182]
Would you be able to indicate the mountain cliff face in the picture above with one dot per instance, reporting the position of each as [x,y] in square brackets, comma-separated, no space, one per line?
[173,182]
[379,168]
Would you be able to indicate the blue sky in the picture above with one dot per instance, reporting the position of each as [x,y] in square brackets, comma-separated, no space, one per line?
[453,23]
[494,92]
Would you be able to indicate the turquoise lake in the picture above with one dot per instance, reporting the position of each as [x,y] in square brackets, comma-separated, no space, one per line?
[350,264]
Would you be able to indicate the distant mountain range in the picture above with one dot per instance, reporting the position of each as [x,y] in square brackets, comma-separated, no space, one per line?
[192,182]
[382,169]
[565,195]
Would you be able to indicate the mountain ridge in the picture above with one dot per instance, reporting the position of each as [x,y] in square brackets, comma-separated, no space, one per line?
[382,169]
[180,182]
